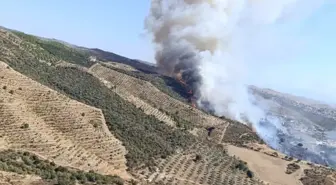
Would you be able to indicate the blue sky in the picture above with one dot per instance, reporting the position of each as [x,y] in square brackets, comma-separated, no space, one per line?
[114,25]
[311,71]
[117,26]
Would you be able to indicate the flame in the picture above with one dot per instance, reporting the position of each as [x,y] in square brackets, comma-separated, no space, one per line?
[178,77]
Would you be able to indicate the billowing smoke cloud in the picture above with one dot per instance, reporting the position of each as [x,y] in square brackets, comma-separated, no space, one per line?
[209,40]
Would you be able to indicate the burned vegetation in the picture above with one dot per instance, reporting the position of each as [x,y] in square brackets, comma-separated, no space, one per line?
[318,175]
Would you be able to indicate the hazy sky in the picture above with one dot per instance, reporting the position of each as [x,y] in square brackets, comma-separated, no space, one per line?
[308,69]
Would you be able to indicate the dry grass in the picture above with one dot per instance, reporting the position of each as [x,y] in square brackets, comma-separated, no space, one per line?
[37,119]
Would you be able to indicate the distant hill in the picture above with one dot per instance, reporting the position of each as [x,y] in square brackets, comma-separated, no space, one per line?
[108,56]
[301,99]
[302,121]
[78,115]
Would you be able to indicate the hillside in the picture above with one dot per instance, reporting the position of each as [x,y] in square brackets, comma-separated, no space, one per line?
[127,120]
[298,114]
[37,119]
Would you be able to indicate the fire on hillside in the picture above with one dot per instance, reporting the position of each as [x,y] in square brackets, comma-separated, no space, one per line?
[188,88]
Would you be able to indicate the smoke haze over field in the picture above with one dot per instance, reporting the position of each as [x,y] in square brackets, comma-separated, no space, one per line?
[218,40]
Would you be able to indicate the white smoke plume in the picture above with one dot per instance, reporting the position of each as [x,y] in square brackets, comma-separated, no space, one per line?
[211,38]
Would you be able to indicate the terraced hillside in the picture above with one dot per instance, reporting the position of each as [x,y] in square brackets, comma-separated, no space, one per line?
[140,104]
[240,135]
[43,125]
[121,66]
[167,85]
[17,167]
[149,93]
[37,119]
[182,169]
[166,108]
[145,107]
[165,140]
[128,123]
[201,164]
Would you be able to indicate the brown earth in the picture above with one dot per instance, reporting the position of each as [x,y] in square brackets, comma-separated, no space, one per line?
[270,169]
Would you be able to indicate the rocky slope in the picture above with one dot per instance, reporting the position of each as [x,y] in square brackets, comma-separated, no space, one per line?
[306,128]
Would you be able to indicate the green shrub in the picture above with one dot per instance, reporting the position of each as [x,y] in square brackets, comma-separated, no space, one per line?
[242,166]
[31,164]
[250,174]
[25,126]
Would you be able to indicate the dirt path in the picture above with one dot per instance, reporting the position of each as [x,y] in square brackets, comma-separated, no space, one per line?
[223,133]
